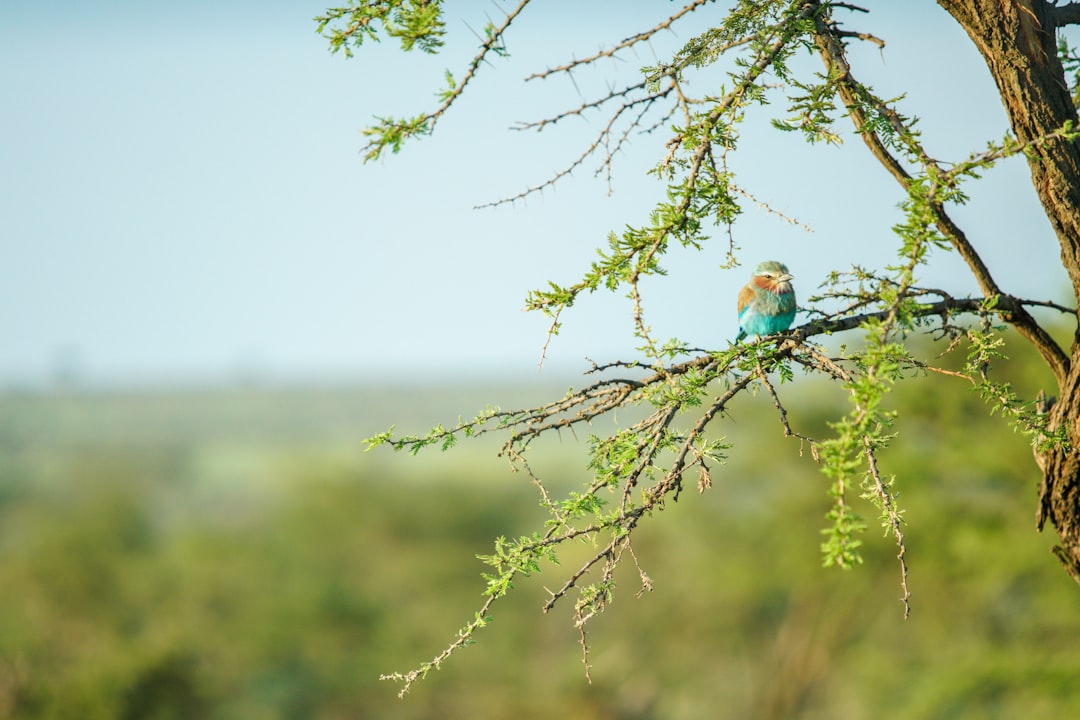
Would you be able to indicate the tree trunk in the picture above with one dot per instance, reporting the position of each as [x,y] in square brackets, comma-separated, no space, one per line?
[1017,38]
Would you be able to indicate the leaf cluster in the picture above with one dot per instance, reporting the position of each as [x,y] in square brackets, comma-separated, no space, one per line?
[415,23]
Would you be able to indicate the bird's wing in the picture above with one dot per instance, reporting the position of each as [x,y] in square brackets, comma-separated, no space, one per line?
[746,296]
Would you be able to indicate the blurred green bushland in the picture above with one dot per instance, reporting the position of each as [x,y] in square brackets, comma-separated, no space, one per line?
[234,554]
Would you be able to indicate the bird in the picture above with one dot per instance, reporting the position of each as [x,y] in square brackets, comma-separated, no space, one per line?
[767,302]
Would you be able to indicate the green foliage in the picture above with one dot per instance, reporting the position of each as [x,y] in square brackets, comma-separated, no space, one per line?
[1070,60]
[415,23]
[418,24]
[848,459]
[392,133]
[1029,417]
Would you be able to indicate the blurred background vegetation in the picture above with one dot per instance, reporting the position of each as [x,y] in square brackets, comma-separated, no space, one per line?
[233,553]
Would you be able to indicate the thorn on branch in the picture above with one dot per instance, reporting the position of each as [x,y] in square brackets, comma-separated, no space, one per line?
[861,36]
[848,6]
[615,49]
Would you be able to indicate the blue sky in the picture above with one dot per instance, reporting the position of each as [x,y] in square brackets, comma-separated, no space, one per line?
[182,197]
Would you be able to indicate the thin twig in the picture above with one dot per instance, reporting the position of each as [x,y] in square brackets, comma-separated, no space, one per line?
[889,507]
[628,42]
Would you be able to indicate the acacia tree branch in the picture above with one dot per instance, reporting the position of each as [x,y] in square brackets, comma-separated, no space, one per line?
[598,142]
[854,95]
[782,412]
[1068,14]
[581,407]
[391,132]
[647,102]
[861,36]
[494,41]
[614,49]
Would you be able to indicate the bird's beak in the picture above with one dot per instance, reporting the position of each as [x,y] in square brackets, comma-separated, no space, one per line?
[785,277]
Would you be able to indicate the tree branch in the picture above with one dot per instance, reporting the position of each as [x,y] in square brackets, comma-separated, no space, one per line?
[1068,14]
[392,132]
[600,141]
[608,394]
[613,50]
[854,95]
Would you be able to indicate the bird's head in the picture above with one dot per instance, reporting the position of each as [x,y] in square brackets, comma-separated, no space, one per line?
[773,276]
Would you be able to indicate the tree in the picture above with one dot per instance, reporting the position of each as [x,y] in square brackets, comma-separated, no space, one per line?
[683,391]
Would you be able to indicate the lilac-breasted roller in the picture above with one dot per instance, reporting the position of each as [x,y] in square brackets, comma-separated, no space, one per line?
[767,302]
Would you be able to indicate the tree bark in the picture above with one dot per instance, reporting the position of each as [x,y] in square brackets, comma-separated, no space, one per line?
[1017,39]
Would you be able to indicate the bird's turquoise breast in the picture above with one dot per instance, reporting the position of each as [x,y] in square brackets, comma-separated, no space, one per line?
[768,313]
[756,323]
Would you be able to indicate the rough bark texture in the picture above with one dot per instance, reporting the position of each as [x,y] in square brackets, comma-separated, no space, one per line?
[1017,38]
